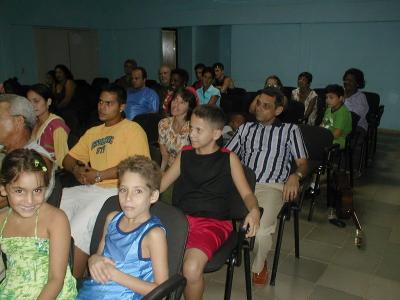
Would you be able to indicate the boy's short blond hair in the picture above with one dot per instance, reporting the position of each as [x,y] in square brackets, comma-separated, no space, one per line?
[145,167]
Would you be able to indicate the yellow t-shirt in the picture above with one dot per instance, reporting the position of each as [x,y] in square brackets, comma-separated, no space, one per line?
[104,147]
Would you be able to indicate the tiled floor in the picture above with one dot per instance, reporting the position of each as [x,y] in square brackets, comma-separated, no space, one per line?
[330,266]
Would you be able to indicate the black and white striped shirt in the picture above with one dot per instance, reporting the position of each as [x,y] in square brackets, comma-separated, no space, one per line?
[268,150]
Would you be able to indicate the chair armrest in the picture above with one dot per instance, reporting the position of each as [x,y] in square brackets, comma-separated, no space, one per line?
[329,154]
[334,147]
[175,283]
[284,210]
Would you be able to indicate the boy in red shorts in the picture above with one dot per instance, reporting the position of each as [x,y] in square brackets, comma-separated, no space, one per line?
[205,175]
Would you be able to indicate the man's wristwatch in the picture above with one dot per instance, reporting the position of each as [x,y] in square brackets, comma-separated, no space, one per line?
[300,175]
[98,179]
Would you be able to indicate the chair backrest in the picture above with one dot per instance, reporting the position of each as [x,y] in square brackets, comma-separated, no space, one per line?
[321,105]
[55,196]
[173,219]
[287,91]
[111,204]
[155,153]
[373,100]
[149,123]
[176,226]
[236,91]
[238,209]
[293,112]
[232,102]
[316,139]
[354,119]
[380,112]
[99,82]
[247,99]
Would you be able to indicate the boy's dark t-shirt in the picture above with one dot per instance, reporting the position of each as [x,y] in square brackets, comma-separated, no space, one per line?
[205,184]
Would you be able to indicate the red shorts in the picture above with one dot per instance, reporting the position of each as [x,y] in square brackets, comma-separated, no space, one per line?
[207,234]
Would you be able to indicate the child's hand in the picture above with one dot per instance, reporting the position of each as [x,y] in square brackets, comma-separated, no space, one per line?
[101,268]
[252,222]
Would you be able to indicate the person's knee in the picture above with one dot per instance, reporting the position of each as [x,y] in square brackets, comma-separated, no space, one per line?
[193,270]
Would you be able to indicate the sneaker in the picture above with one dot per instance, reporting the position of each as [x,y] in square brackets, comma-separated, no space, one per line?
[262,277]
[331,214]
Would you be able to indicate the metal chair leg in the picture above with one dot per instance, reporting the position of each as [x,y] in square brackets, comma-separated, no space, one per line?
[229,278]
[277,249]
[367,150]
[350,160]
[311,211]
[296,233]
[247,272]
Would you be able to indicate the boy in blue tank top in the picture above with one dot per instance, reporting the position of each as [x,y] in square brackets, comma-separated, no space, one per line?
[132,256]
[206,175]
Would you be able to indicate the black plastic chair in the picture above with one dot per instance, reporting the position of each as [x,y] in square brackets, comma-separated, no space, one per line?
[318,141]
[247,99]
[321,151]
[287,91]
[321,105]
[56,194]
[284,215]
[232,101]
[230,252]
[373,118]
[176,226]
[149,123]
[293,113]
[155,153]
[347,152]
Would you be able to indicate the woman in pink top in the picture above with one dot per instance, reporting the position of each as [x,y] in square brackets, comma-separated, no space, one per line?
[50,130]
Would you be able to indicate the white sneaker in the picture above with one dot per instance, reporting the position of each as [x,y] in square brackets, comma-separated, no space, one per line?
[332,214]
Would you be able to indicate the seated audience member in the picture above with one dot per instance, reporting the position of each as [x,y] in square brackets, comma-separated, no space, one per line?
[50,79]
[141,99]
[64,87]
[272,81]
[198,69]
[337,117]
[17,120]
[268,147]
[63,97]
[12,86]
[208,94]
[338,120]
[132,256]
[164,76]
[174,131]
[356,102]
[307,96]
[235,121]
[125,81]
[179,79]
[34,235]
[93,162]
[50,130]
[221,81]
[205,175]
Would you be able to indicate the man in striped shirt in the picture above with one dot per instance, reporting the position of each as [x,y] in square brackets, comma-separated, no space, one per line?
[268,147]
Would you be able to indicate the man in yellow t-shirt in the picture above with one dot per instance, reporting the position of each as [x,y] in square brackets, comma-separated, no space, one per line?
[93,161]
